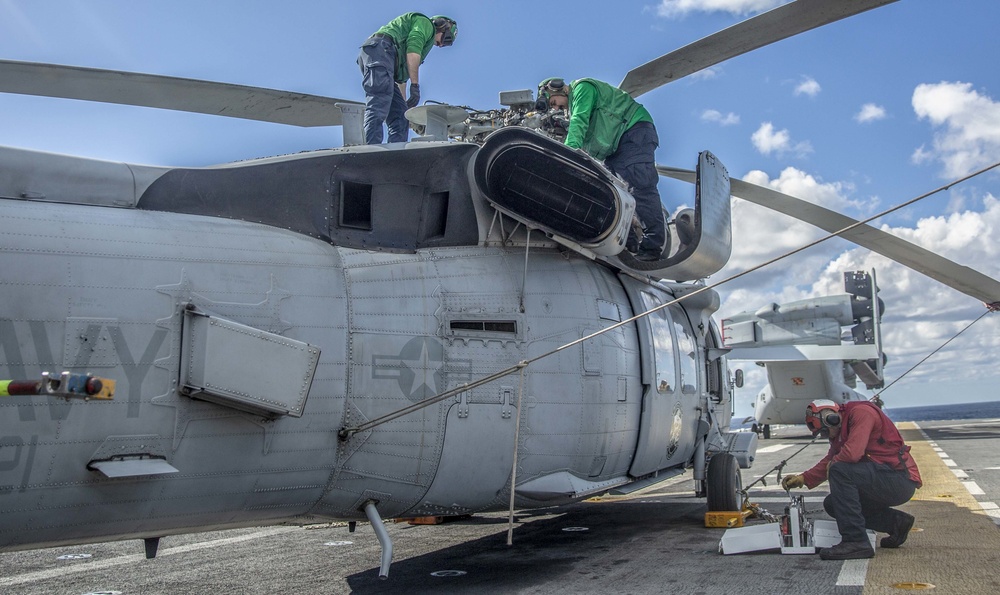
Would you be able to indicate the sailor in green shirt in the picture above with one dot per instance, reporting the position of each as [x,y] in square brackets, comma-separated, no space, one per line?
[612,127]
[390,57]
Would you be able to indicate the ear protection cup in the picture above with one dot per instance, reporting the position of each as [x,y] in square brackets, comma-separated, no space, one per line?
[447,26]
[822,414]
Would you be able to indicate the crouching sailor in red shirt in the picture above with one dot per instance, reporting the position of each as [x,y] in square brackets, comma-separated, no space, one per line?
[870,470]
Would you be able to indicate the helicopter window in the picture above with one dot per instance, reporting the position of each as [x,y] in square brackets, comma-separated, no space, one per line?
[689,358]
[492,326]
[663,345]
[713,368]
[355,205]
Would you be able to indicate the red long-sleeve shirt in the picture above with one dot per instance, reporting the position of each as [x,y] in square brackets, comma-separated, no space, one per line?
[865,433]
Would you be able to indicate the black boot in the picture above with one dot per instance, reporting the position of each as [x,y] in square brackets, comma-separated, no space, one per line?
[649,251]
[848,550]
[900,529]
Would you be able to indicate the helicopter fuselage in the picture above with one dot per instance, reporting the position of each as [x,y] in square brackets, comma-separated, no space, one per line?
[109,288]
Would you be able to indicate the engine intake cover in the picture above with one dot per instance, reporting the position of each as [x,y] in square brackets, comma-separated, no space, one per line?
[546,185]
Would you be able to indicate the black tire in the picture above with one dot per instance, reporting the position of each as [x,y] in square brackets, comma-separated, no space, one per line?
[767,431]
[724,483]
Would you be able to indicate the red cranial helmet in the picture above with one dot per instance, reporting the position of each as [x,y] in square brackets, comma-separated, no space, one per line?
[822,414]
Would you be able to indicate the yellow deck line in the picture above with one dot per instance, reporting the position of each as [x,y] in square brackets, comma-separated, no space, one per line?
[958,546]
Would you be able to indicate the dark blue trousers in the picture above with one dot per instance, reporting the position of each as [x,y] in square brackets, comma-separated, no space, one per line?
[635,162]
[384,102]
[862,496]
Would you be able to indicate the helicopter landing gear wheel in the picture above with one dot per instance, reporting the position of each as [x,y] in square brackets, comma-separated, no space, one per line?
[724,483]
[767,431]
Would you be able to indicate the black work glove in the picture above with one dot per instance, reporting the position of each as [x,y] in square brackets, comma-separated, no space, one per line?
[414,95]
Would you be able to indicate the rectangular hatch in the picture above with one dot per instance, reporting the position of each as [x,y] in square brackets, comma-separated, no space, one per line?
[245,368]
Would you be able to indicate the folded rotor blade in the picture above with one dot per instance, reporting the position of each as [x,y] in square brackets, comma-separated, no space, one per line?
[167,92]
[766,28]
[962,278]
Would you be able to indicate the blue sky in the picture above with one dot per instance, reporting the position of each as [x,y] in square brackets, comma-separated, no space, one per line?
[858,116]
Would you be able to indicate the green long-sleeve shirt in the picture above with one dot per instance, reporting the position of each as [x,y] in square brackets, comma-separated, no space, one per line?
[413,33]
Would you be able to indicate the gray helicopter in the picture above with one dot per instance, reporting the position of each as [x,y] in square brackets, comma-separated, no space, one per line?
[434,328]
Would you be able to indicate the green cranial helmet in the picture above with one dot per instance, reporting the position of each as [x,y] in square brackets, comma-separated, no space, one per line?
[552,86]
[447,26]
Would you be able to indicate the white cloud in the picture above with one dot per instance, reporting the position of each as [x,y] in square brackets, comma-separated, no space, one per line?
[18,22]
[760,234]
[809,87]
[767,140]
[922,155]
[967,127]
[870,113]
[706,74]
[711,115]
[921,314]
[679,8]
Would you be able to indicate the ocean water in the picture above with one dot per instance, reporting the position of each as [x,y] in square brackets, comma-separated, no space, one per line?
[985,410]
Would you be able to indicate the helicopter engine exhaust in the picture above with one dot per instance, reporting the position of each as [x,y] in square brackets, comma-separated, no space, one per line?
[549,186]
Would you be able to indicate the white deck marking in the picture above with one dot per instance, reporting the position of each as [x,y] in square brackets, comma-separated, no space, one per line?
[63,570]
[774,448]
[992,509]
[973,488]
[852,573]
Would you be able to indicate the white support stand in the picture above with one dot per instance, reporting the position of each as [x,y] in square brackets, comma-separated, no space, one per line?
[800,537]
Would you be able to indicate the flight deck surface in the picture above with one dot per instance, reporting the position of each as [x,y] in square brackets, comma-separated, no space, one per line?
[653,541]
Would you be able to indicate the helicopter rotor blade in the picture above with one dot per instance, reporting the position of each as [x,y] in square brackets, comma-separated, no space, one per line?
[968,281]
[764,29]
[167,92]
